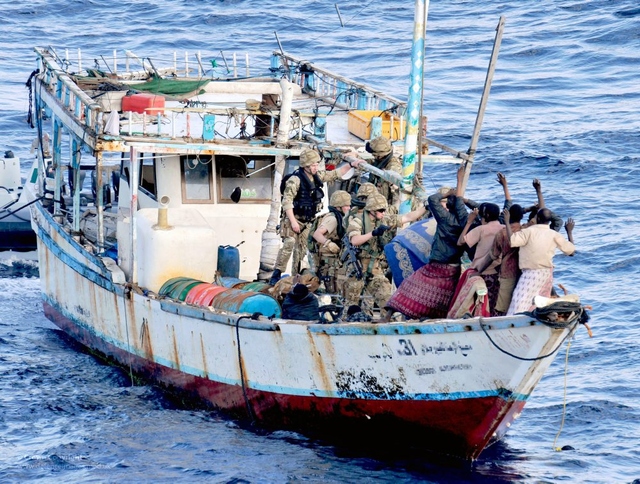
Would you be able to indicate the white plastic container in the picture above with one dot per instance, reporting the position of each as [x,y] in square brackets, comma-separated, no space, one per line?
[187,248]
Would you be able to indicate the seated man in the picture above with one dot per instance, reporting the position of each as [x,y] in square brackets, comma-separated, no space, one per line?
[301,304]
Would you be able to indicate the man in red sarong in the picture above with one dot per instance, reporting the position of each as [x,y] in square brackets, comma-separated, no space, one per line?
[427,292]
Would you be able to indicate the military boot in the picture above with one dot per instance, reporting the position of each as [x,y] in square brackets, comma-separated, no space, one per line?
[275,277]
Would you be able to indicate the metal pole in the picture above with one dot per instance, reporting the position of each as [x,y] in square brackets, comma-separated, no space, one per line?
[422,135]
[133,208]
[414,103]
[483,102]
[100,201]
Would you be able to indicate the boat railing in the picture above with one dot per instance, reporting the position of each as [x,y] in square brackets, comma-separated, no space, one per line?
[334,88]
[68,93]
[192,119]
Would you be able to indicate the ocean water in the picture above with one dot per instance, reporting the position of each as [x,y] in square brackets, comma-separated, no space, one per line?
[564,108]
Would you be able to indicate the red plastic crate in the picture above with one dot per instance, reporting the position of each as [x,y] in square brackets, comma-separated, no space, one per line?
[143,103]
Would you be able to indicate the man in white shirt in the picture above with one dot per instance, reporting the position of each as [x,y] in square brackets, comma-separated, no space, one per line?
[537,244]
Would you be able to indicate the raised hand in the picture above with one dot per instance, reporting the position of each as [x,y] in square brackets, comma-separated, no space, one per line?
[537,185]
[506,216]
[472,216]
[569,224]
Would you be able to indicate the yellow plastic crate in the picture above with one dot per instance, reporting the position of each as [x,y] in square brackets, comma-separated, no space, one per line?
[359,124]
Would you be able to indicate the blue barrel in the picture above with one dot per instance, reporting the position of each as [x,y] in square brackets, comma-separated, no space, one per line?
[238,301]
[228,261]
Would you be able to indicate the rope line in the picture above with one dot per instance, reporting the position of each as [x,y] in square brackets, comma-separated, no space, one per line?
[21,207]
[564,398]
[521,358]
[253,316]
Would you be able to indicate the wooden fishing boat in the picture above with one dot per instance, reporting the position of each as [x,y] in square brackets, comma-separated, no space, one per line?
[168,147]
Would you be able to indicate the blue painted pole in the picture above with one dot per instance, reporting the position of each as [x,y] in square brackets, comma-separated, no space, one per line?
[414,103]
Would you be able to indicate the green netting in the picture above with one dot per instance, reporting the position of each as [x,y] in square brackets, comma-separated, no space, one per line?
[156,85]
[171,87]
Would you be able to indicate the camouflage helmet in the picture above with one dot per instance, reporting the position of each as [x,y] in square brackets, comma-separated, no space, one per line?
[366,189]
[308,157]
[380,146]
[376,201]
[340,198]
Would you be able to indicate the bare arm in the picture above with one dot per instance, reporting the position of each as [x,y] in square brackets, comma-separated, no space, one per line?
[460,179]
[358,240]
[465,230]
[351,163]
[414,215]
[502,180]
[507,225]
[320,235]
[538,186]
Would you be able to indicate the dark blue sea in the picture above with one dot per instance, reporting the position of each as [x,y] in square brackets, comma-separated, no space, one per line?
[564,108]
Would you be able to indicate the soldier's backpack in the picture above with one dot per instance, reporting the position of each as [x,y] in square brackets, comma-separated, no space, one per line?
[283,183]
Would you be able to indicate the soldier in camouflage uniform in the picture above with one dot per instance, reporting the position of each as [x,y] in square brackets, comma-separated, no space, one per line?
[382,152]
[328,239]
[370,231]
[301,201]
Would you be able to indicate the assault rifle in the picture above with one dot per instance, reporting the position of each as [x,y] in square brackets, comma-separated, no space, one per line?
[350,258]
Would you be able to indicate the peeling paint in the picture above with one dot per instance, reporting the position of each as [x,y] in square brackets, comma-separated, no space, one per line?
[361,384]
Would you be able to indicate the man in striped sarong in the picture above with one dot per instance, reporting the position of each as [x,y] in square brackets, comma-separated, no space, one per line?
[537,244]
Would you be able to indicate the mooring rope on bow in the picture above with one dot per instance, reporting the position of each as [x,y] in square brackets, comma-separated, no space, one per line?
[550,316]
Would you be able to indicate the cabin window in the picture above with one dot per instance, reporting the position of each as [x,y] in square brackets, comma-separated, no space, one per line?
[196,179]
[146,170]
[147,181]
[253,175]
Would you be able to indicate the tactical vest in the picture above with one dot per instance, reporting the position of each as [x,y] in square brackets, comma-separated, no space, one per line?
[308,201]
[374,247]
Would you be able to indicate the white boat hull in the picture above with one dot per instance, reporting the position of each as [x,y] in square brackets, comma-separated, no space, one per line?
[441,384]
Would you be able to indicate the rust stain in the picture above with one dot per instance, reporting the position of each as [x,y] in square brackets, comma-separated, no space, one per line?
[131,318]
[145,340]
[319,361]
[176,358]
[204,358]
